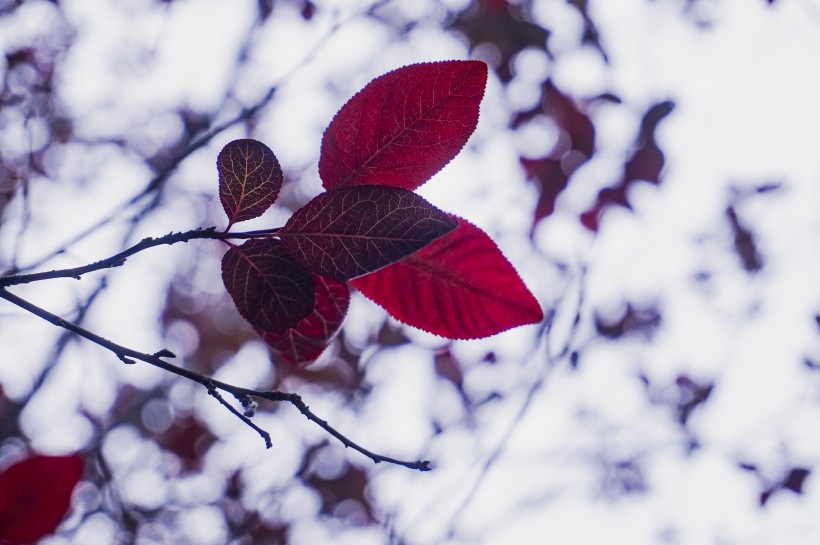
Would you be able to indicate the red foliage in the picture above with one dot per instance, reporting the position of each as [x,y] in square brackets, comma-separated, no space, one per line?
[270,290]
[35,495]
[348,232]
[310,337]
[404,126]
[645,164]
[385,141]
[506,25]
[462,288]
[575,147]
[249,179]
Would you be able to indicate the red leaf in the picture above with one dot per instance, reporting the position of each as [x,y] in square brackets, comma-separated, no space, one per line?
[575,147]
[302,344]
[249,179]
[645,164]
[270,290]
[348,232]
[35,495]
[404,126]
[553,178]
[460,287]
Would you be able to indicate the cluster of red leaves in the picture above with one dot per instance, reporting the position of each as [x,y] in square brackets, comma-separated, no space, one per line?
[35,495]
[428,268]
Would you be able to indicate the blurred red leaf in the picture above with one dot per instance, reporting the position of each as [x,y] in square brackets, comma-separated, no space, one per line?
[552,178]
[269,288]
[189,439]
[348,232]
[460,286]
[350,484]
[575,123]
[404,126]
[506,26]
[249,179]
[302,344]
[645,164]
[553,171]
[35,495]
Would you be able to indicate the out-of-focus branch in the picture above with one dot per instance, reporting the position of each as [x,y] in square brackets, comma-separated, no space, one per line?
[243,395]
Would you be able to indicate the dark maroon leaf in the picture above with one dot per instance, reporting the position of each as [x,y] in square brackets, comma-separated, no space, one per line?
[189,439]
[302,344]
[590,36]
[404,126]
[461,286]
[568,116]
[552,178]
[645,164]
[269,288]
[692,394]
[745,245]
[349,487]
[35,495]
[505,26]
[575,147]
[348,232]
[249,179]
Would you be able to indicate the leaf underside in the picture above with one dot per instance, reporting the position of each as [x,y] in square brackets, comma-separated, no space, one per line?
[249,179]
[269,288]
[348,232]
[305,342]
[404,126]
[460,286]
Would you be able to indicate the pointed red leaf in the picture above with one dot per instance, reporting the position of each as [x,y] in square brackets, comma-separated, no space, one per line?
[268,287]
[348,232]
[35,495]
[302,344]
[404,126]
[249,179]
[460,286]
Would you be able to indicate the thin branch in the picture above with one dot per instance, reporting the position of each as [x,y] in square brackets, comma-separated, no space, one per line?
[296,401]
[215,393]
[129,355]
[118,259]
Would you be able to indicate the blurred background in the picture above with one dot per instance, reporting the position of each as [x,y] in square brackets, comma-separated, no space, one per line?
[649,166]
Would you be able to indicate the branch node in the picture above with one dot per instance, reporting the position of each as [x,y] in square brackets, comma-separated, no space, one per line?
[164,353]
[126,360]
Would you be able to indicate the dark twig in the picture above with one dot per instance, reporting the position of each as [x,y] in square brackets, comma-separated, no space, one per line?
[296,401]
[118,259]
[130,355]
[215,393]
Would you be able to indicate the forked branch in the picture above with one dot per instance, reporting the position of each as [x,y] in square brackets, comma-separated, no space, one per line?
[243,395]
